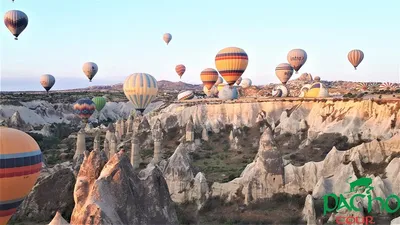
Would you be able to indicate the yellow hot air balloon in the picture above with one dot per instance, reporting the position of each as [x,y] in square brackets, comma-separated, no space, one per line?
[355,57]
[20,165]
[231,63]
[317,90]
[220,86]
[297,58]
[284,72]
[209,76]
[140,89]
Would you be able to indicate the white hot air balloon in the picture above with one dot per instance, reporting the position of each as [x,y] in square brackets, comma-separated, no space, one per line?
[246,82]
[90,69]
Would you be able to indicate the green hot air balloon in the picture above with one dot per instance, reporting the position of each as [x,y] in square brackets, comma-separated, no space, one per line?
[100,102]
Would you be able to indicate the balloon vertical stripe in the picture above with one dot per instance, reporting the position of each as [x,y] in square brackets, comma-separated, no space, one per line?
[355,57]
[140,89]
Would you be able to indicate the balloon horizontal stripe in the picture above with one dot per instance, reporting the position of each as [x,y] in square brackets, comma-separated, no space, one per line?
[10,205]
[20,162]
[19,155]
[9,212]
[232,54]
[20,171]
[317,85]
[219,58]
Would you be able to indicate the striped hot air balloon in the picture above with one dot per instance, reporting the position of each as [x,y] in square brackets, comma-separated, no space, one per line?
[90,69]
[231,63]
[304,90]
[167,37]
[355,57]
[185,95]
[297,58]
[284,72]
[209,76]
[362,86]
[16,21]
[20,165]
[280,91]
[140,89]
[47,81]
[84,108]
[99,102]
[387,86]
[180,70]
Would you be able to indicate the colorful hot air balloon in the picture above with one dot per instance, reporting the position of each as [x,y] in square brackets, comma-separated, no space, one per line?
[209,76]
[99,102]
[185,95]
[220,86]
[219,81]
[355,57]
[280,91]
[16,21]
[84,108]
[304,90]
[246,82]
[90,69]
[387,86]
[140,89]
[317,90]
[239,81]
[47,81]
[284,72]
[167,37]
[231,63]
[362,86]
[20,165]
[180,70]
[297,58]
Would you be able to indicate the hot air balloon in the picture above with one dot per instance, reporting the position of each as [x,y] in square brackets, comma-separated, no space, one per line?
[16,21]
[185,95]
[304,90]
[239,81]
[20,165]
[280,91]
[140,89]
[84,108]
[220,86]
[386,86]
[167,37]
[219,81]
[209,76]
[180,70]
[90,69]
[47,81]
[284,72]
[210,92]
[317,90]
[246,82]
[231,63]
[355,57]
[362,86]
[297,58]
[99,102]
[228,93]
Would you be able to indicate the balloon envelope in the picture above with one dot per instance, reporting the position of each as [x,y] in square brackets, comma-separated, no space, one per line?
[239,81]
[140,89]
[180,69]
[186,95]
[317,90]
[16,21]
[219,81]
[99,102]
[246,82]
[297,58]
[231,63]
[280,91]
[228,93]
[284,72]
[84,108]
[210,92]
[90,69]
[209,76]
[47,81]
[20,166]
[167,37]
[355,57]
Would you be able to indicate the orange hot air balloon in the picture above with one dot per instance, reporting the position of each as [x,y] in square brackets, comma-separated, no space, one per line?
[231,63]
[209,76]
[180,70]
[355,57]
[20,165]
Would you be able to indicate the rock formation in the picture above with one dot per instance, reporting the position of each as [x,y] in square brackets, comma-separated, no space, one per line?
[114,193]
[96,142]
[309,214]
[190,130]
[80,144]
[106,147]
[113,145]
[135,152]
[129,125]
[260,179]
[58,220]
[157,137]
[110,130]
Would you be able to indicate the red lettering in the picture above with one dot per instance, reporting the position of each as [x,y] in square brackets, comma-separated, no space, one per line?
[348,220]
[338,219]
[369,220]
[360,222]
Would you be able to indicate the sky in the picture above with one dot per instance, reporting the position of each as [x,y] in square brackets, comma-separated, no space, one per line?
[125,37]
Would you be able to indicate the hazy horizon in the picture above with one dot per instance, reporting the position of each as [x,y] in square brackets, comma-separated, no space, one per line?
[125,37]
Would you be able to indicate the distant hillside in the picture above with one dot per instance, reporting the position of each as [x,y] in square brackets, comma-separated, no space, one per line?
[162,85]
